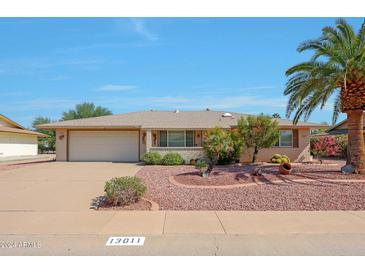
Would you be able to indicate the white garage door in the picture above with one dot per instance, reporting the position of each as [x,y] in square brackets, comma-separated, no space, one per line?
[113,146]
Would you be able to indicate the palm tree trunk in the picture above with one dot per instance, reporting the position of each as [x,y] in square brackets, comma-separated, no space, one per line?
[356,146]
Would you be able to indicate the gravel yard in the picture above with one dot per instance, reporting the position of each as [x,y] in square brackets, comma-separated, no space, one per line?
[230,175]
[307,188]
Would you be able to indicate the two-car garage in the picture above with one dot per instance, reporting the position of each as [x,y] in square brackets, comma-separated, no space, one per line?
[103,145]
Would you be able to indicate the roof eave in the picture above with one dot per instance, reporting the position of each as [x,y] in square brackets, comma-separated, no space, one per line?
[54,127]
[11,121]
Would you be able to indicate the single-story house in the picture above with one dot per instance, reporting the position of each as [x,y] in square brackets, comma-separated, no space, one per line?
[341,128]
[15,140]
[127,137]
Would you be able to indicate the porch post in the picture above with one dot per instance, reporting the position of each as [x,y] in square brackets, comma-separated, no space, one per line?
[148,140]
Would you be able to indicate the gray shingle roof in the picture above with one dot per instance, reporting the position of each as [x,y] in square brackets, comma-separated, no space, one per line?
[164,120]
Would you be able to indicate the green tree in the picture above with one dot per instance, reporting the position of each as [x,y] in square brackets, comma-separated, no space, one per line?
[217,143]
[258,132]
[85,110]
[276,115]
[336,68]
[45,144]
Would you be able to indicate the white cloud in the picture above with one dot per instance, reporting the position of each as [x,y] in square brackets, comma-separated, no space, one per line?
[111,87]
[141,28]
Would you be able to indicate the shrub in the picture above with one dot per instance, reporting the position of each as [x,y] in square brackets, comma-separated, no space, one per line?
[152,158]
[124,190]
[201,165]
[280,159]
[329,146]
[172,159]
[233,156]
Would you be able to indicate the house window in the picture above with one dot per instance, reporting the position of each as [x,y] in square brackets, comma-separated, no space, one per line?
[163,138]
[285,138]
[177,138]
[189,138]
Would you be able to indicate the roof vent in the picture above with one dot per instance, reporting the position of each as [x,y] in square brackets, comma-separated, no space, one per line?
[176,111]
[227,114]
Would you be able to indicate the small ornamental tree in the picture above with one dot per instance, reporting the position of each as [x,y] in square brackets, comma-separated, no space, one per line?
[217,143]
[258,132]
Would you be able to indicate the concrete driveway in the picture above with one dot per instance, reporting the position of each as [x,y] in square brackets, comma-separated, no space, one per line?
[57,186]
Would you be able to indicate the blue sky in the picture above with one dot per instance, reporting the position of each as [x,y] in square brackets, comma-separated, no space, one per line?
[47,65]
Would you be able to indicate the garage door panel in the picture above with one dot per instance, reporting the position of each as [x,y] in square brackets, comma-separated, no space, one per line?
[121,146]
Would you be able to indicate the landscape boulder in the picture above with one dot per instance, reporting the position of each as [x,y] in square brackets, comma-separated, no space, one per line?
[348,169]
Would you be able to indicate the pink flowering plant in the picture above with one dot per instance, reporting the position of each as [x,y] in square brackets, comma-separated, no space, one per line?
[328,146]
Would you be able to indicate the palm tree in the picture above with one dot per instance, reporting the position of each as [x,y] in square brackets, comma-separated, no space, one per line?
[337,67]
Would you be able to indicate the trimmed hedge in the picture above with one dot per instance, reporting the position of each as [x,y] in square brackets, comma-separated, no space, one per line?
[172,159]
[152,158]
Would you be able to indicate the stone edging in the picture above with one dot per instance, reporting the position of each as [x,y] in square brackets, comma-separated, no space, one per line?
[154,206]
[174,182]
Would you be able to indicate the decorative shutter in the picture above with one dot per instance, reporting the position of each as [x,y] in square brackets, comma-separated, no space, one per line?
[295,138]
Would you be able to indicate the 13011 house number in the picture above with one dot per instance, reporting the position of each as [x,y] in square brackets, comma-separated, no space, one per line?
[125,241]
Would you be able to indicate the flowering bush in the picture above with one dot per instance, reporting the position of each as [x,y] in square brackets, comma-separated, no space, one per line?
[329,146]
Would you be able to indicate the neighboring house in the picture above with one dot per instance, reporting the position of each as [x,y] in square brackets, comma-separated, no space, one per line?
[341,128]
[127,137]
[17,141]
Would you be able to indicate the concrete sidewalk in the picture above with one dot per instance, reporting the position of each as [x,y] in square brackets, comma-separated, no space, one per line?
[184,232]
[181,222]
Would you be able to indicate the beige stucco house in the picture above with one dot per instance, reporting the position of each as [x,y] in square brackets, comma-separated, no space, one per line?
[127,137]
[17,141]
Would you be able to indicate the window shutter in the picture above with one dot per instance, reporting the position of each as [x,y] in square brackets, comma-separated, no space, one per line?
[295,138]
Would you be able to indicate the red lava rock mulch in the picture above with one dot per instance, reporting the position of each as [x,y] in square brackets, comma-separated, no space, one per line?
[278,192]
[140,205]
[220,176]
[313,171]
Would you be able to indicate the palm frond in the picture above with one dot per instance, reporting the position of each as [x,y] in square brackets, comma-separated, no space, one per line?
[338,55]
[336,109]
